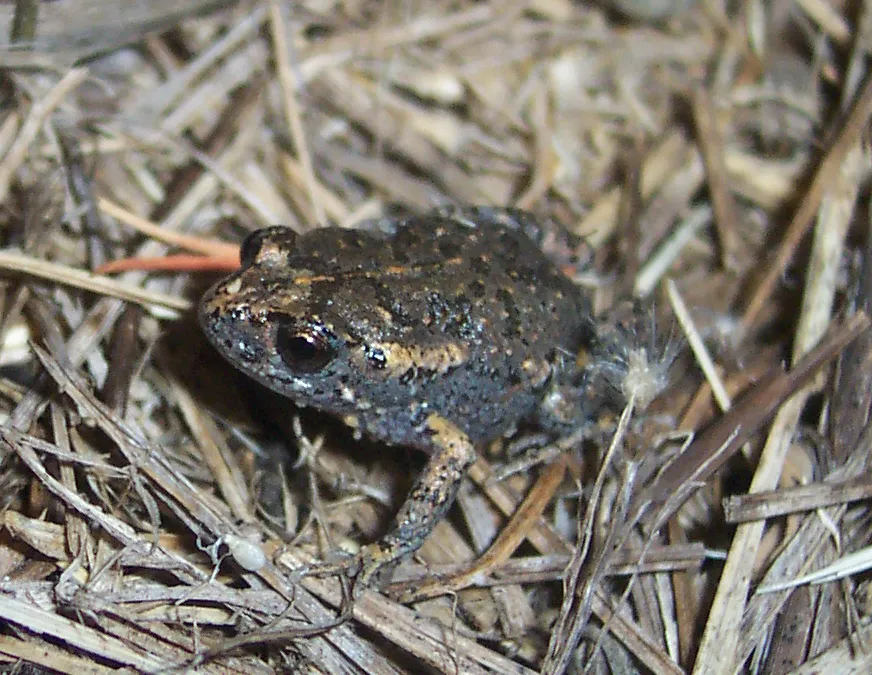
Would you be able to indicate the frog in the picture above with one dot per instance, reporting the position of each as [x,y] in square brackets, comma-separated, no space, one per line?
[440,331]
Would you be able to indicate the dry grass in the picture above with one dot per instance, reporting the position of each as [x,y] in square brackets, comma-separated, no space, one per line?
[714,162]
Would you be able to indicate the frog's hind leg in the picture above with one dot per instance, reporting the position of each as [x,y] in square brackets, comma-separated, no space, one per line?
[428,502]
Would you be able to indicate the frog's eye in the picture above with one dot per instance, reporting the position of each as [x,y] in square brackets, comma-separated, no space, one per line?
[251,246]
[305,348]
[280,241]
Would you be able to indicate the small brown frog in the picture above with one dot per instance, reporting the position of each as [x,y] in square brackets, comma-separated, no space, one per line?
[439,331]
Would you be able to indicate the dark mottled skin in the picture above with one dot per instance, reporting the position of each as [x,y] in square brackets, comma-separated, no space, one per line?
[440,332]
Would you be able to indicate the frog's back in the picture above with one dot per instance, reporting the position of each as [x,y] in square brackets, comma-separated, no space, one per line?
[473,318]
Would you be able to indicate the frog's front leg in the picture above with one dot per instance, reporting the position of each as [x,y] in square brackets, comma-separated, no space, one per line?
[429,500]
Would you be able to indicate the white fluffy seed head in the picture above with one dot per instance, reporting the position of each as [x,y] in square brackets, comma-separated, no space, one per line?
[643,379]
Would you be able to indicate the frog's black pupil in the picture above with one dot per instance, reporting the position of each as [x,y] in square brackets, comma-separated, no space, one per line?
[303,352]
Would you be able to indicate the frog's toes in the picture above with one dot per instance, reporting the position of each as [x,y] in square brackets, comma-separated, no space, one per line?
[374,560]
[347,565]
[364,568]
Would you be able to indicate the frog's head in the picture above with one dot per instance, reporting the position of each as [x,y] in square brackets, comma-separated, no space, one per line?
[260,320]
[308,330]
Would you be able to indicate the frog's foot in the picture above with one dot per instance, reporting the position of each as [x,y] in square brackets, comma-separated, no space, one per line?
[427,504]
[364,568]
[375,560]
[346,565]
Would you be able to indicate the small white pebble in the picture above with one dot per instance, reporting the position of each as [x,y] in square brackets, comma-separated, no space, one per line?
[248,554]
